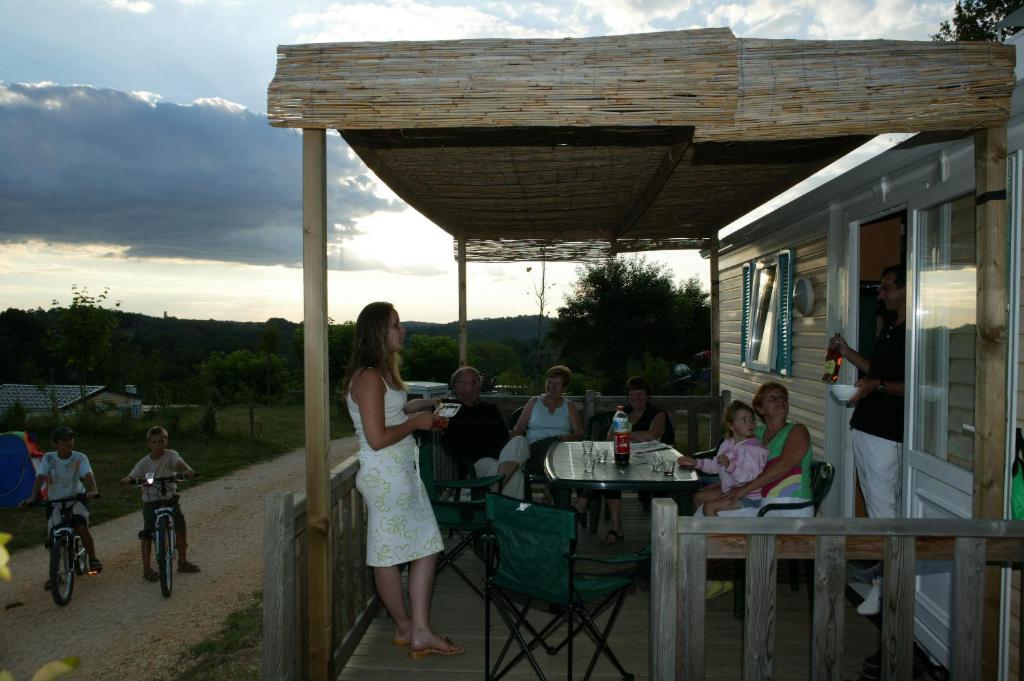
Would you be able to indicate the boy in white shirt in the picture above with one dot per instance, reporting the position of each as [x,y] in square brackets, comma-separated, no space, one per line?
[64,471]
[161,462]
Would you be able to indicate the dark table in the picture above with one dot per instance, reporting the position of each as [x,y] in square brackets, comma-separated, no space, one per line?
[563,468]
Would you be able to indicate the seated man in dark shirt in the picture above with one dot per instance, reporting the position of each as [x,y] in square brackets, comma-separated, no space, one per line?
[477,436]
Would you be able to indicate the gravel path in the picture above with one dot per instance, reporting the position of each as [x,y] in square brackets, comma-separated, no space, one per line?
[117,623]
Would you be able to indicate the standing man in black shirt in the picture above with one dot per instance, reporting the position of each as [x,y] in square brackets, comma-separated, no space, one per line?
[877,421]
[479,437]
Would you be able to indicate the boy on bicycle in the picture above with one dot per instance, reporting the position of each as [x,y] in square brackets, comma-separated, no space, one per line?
[64,472]
[160,462]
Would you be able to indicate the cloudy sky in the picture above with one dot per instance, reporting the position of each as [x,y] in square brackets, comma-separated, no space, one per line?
[135,152]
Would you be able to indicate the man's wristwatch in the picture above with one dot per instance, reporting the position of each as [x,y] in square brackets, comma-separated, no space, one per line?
[881,387]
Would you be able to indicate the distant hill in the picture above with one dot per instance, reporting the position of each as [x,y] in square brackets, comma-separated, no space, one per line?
[173,347]
[521,329]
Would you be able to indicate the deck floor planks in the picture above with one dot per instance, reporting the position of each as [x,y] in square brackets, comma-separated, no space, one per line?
[457,612]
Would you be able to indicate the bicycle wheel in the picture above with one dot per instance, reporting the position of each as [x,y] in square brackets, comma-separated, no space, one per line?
[165,554]
[62,570]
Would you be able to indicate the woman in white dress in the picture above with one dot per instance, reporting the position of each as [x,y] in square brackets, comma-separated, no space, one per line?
[401,527]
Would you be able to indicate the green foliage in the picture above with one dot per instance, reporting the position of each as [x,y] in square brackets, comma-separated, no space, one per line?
[242,376]
[82,332]
[658,373]
[514,382]
[581,383]
[620,310]
[976,20]
[14,417]
[491,358]
[430,358]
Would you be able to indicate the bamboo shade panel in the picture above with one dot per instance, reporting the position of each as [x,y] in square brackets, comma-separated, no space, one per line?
[728,89]
[577,149]
[795,89]
[670,78]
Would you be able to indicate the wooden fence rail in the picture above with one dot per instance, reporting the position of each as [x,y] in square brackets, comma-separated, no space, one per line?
[682,546]
[285,633]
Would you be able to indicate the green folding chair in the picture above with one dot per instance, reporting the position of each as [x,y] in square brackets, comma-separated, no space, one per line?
[463,521]
[531,553]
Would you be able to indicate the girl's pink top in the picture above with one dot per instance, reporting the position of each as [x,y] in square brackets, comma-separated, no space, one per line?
[746,461]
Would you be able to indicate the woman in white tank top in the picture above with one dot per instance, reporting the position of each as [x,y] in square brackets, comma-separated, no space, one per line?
[401,527]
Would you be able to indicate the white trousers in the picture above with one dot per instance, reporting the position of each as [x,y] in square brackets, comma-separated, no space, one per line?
[878,469]
[517,450]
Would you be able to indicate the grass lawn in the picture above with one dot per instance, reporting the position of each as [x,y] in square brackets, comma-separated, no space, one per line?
[232,653]
[114,447]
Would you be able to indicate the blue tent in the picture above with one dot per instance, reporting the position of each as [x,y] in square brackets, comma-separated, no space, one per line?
[17,472]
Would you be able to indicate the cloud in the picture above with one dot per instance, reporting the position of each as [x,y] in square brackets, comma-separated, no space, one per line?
[151,179]
[810,19]
[133,6]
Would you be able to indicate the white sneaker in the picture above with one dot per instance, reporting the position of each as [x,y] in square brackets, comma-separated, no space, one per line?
[872,604]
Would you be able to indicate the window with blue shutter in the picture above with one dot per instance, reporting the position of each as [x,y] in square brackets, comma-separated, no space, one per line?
[766,327]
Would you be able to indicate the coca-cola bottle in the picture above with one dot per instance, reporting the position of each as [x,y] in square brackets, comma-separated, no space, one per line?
[833,360]
[620,430]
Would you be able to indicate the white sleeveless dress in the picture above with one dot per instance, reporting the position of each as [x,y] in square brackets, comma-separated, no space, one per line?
[400,522]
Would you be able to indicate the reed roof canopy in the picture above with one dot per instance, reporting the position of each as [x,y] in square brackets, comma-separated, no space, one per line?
[578,148]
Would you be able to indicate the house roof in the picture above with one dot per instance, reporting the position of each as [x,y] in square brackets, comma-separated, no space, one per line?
[34,398]
[574,149]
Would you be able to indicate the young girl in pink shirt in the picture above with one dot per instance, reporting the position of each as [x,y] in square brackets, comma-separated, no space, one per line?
[740,458]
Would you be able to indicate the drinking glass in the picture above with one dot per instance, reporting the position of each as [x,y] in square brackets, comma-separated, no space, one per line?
[602,454]
[589,458]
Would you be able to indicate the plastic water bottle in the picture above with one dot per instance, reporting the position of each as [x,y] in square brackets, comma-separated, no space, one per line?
[620,429]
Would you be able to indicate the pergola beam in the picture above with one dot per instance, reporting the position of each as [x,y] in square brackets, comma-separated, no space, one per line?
[673,155]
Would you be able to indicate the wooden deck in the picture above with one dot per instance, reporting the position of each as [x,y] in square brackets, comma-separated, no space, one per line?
[458,613]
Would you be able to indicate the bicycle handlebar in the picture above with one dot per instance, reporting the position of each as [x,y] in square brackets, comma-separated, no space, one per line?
[53,502]
[177,477]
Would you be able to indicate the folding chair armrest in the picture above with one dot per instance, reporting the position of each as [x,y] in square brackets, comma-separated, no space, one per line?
[617,559]
[471,483]
[788,507]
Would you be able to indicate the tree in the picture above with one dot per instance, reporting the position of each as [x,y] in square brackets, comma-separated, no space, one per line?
[976,20]
[623,309]
[430,358]
[82,332]
[242,375]
[492,358]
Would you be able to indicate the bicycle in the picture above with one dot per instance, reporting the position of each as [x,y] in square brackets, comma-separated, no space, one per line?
[68,557]
[163,529]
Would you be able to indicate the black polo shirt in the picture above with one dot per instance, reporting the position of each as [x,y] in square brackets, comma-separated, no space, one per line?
[881,414]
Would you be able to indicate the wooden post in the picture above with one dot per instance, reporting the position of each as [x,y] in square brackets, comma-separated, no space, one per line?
[991,368]
[463,323]
[280,635]
[716,326]
[665,583]
[314,283]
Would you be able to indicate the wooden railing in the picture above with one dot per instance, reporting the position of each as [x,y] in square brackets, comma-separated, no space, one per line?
[682,546]
[285,628]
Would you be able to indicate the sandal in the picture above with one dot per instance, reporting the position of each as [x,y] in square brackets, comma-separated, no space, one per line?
[150,575]
[612,537]
[188,567]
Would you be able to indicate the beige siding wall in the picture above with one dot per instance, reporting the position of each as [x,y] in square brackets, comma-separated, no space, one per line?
[806,391]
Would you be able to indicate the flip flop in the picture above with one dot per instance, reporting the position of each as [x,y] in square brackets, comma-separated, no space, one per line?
[427,652]
[188,567]
[399,642]
[616,537]
[150,575]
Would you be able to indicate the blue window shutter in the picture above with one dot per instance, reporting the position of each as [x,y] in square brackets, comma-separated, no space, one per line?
[784,344]
[748,278]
